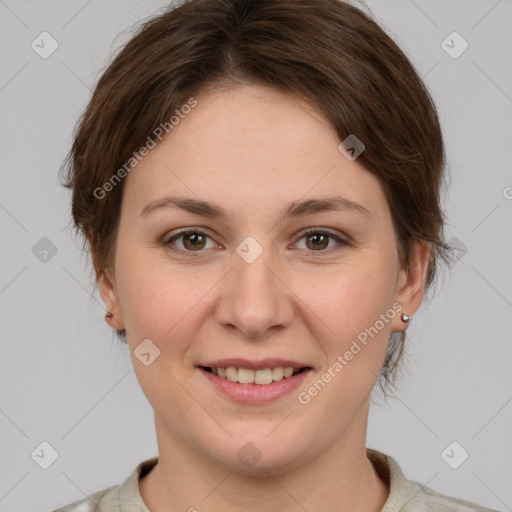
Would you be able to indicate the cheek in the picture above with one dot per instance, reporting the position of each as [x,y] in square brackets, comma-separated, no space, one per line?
[352,296]
[348,304]
[161,303]
[159,300]
[148,303]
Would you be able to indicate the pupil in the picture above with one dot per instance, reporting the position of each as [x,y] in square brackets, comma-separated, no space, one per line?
[194,239]
[319,238]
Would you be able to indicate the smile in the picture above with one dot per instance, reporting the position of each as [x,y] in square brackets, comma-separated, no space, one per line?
[246,385]
[261,377]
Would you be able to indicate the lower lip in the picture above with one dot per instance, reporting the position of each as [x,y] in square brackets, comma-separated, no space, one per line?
[256,393]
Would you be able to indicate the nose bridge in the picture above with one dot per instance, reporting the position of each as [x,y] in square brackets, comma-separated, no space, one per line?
[255,299]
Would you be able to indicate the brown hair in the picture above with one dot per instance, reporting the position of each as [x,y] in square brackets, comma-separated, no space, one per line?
[326,51]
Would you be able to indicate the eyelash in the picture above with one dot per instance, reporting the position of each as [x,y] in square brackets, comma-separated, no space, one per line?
[311,231]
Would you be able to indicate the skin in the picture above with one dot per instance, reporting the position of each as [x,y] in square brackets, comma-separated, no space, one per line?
[252,149]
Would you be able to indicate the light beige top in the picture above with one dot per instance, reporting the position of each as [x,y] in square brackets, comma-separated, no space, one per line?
[404,496]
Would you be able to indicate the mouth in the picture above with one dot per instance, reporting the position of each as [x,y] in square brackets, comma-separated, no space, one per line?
[260,377]
[252,386]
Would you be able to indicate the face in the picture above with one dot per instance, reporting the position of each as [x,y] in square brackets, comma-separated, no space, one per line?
[255,283]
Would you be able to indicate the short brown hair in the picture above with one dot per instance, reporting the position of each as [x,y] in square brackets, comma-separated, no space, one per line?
[326,51]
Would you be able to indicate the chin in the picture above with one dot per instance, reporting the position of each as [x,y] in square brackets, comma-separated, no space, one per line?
[259,454]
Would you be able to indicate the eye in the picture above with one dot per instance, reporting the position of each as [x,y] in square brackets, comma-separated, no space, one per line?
[193,241]
[318,240]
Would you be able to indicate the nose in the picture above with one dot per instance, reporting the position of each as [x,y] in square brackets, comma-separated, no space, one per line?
[255,298]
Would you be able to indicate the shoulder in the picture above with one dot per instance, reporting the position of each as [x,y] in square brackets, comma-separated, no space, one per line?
[426,499]
[411,496]
[105,500]
[124,497]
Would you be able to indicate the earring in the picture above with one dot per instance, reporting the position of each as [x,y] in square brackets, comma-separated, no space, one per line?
[111,320]
[405,318]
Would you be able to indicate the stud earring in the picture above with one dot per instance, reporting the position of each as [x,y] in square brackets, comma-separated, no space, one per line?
[109,315]
[405,318]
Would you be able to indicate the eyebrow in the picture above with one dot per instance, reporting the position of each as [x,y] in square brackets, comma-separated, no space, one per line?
[291,210]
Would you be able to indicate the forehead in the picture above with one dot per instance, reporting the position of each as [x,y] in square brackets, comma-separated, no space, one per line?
[253,146]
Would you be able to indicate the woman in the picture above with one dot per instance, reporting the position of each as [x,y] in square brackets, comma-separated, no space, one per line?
[259,185]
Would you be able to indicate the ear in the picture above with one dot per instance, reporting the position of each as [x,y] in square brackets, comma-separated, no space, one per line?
[411,283]
[108,292]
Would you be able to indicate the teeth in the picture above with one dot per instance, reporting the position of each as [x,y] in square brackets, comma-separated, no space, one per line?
[263,377]
[288,372]
[249,376]
[231,374]
[277,373]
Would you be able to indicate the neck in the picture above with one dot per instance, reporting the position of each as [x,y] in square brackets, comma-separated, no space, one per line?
[339,479]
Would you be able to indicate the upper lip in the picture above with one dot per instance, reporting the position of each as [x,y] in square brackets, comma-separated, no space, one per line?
[254,365]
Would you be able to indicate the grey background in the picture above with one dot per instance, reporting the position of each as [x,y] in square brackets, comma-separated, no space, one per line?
[65,380]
